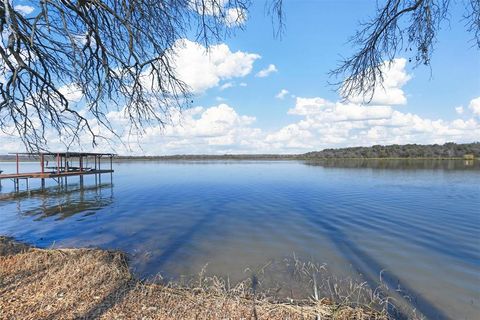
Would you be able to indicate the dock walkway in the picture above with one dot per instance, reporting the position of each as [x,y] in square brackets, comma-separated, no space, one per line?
[46,175]
[63,167]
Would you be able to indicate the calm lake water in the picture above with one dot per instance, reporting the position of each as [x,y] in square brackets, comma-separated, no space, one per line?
[418,221]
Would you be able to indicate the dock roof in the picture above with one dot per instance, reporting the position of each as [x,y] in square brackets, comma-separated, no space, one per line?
[65,154]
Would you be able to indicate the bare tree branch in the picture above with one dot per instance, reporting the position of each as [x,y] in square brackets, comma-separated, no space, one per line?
[116,54]
[275,9]
[473,20]
[408,26]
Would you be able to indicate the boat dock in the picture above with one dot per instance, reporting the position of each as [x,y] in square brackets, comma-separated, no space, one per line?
[60,166]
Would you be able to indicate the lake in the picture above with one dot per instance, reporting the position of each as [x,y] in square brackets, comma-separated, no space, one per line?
[416,222]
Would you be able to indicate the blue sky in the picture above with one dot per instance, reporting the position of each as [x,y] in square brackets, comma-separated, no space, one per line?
[317,36]
[236,110]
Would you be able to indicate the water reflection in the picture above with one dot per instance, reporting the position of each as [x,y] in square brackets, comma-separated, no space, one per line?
[61,201]
[398,164]
[370,269]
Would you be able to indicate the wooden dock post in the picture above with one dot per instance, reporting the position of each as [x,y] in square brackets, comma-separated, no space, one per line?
[58,163]
[16,183]
[58,167]
[80,165]
[111,168]
[99,168]
[42,169]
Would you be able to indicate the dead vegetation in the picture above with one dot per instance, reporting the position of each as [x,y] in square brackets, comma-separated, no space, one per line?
[92,283]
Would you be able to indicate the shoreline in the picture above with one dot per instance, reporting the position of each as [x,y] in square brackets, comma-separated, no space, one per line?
[95,283]
[252,158]
[447,151]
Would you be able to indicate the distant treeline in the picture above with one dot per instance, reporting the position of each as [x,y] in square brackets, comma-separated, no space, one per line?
[436,151]
[431,151]
[447,150]
[206,157]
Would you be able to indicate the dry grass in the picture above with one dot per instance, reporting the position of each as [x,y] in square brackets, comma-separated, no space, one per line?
[92,283]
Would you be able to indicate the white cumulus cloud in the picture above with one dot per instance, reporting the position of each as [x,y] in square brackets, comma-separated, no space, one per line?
[231,16]
[306,106]
[475,106]
[235,17]
[202,130]
[326,124]
[201,69]
[226,85]
[267,71]
[390,91]
[282,94]
[24,9]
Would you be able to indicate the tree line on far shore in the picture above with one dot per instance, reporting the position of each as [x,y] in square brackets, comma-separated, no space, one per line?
[435,151]
[447,150]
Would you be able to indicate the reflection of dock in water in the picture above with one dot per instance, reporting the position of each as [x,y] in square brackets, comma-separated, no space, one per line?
[63,167]
[62,201]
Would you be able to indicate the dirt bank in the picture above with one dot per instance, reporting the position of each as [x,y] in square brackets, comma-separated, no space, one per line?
[92,283]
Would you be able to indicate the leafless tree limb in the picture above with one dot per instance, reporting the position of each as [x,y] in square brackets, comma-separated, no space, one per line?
[275,9]
[117,54]
[399,25]
[473,20]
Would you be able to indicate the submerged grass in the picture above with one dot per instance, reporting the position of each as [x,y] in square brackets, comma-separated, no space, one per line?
[97,284]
